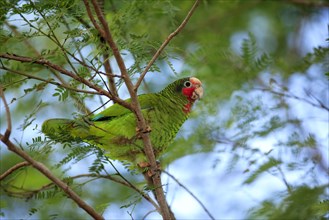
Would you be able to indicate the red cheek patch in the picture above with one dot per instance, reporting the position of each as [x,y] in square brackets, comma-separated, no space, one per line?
[188,92]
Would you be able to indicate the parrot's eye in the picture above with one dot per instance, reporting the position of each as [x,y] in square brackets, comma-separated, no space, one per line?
[187,84]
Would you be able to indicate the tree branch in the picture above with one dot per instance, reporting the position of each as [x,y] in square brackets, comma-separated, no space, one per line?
[13,168]
[106,56]
[292,96]
[109,74]
[50,81]
[5,137]
[189,192]
[58,68]
[165,43]
[141,124]
[284,179]
[40,167]
[122,182]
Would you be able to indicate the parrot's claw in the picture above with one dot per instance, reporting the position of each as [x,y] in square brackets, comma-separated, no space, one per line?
[140,131]
[143,164]
[147,130]
[147,168]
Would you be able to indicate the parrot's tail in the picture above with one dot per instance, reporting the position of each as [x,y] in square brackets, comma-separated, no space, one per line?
[59,129]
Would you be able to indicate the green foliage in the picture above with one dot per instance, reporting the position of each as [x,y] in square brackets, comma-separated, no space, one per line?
[99,163]
[302,203]
[252,60]
[76,154]
[262,169]
[62,93]
[319,55]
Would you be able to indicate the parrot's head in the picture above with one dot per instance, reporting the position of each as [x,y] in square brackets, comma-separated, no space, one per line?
[186,90]
[192,89]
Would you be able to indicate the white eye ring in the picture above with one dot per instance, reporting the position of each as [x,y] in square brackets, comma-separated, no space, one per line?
[187,84]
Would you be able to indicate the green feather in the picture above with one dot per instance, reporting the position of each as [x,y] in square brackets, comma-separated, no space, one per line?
[114,129]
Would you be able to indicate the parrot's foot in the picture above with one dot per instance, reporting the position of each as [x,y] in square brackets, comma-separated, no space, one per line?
[140,131]
[146,166]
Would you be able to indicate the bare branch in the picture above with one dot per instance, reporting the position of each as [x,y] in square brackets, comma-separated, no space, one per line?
[284,179]
[165,43]
[148,213]
[122,182]
[321,104]
[109,74]
[5,137]
[106,56]
[92,19]
[189,192]
[106,34]
[134,187]
[292,96]
[13,168]
[103,34]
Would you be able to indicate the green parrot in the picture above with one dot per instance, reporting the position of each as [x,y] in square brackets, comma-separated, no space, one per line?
[115,128]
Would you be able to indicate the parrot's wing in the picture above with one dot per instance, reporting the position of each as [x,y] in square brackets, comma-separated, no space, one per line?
[117,110]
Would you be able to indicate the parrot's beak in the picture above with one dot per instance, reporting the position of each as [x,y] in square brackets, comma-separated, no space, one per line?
[198,91]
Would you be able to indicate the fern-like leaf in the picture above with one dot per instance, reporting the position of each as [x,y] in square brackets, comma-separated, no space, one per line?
[262,168]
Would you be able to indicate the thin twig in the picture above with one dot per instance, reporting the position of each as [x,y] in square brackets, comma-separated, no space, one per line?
[134,187]
[74,41]
[54,37]
[106,34]
[148,213]
[187,190]
[292,96]
[50,81]
[284,179]
[321,104]
[5,137]
[106,58]
[165,43]
[13,168]
[128,184]
[92,19]
[109,74]
[58,68]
